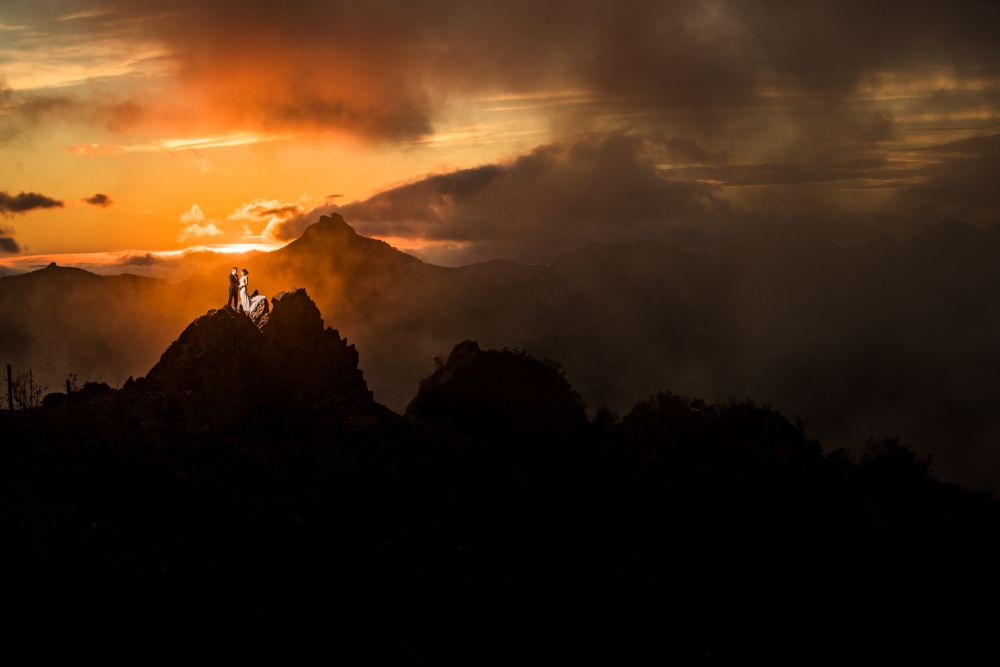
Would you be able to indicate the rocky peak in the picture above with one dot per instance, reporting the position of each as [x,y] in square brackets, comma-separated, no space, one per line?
[226,367]
[332,224]
[213,347]
[292,314]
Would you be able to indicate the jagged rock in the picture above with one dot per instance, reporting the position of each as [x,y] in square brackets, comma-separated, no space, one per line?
[259,310]
[295,319]
[229,379]
[227,372]
[209,356]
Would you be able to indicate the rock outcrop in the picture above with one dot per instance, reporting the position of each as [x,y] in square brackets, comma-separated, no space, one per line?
[227,371]
[259,309]
[493,393]
[279,375]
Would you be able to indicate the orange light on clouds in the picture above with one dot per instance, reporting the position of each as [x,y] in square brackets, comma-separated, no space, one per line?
[227,107]
[177,144]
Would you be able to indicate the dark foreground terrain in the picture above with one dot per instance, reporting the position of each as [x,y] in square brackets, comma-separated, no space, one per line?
[248,499]
[886,338]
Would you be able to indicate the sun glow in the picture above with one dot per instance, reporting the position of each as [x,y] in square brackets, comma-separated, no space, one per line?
[236,248]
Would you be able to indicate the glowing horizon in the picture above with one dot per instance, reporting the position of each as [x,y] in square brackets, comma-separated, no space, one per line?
[169,263]
[157,263]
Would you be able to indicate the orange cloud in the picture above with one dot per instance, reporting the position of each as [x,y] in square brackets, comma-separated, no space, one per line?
[270,212]
[198,227]
[390,71]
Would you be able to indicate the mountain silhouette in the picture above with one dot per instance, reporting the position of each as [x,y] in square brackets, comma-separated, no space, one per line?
[62,320]
[893,338]
[248,498]
[493,393]
[225,371]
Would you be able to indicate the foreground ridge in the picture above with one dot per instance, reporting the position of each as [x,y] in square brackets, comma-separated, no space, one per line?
[250,496]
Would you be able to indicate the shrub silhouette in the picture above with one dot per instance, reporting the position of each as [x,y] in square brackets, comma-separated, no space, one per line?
[497,393]
[23,393]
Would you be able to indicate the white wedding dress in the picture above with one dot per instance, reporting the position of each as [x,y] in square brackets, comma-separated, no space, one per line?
[248,303]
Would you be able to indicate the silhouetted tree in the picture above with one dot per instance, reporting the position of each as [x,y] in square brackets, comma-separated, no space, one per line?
[24,392]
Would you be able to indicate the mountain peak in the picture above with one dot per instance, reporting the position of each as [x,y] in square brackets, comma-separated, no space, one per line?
[225,370]
[53,273]
[331,241]
[331,223]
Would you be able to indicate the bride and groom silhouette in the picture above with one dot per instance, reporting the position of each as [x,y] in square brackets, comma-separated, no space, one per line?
[238,297]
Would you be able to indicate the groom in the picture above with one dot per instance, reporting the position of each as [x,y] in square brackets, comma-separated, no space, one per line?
[234,283]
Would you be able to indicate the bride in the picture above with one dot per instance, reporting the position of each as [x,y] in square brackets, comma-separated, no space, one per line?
[248,303]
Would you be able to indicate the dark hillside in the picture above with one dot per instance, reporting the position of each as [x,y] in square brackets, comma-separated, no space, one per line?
[249,499]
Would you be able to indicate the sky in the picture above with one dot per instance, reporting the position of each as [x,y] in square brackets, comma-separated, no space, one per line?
[464,130]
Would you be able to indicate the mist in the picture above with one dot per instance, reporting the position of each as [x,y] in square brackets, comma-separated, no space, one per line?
[885,338]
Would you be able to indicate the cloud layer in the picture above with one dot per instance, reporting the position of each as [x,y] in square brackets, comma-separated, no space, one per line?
[384,69]
[538,205]
[388,70]
[614,188]
[655,116]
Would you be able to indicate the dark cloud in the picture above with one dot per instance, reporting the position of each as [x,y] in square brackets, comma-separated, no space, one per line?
[604,188]
[619,187]
[38,107]
[99,199]
[387,70]
[282,211]
[143,259]
[961,185]
[8,244]
[22,111]
[977,146]
[686,150]
[857,169]
[810,97]
[24,202]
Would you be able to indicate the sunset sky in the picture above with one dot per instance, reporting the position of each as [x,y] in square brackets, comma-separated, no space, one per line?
[464,130]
